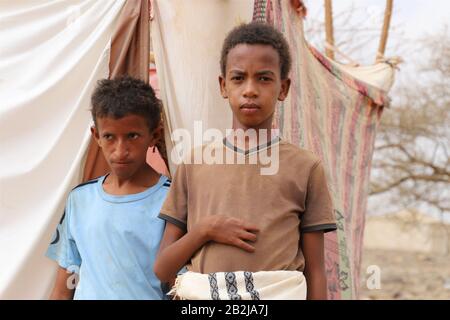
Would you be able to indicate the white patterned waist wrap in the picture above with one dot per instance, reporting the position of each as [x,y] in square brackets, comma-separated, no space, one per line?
[240,285]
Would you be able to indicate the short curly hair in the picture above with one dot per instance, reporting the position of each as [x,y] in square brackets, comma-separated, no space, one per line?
[124,96]
[257,33]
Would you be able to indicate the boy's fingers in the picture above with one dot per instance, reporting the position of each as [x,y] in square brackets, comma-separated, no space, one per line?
[248,236]
[244,245]
[251,228]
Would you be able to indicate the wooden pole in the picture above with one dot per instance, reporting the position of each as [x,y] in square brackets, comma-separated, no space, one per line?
[329,36]
[385,30]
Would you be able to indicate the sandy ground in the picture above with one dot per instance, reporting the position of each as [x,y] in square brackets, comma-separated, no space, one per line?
[406,275]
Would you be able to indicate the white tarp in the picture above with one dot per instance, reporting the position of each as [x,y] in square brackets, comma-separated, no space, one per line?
[380,75]
[187,38]
[51,55]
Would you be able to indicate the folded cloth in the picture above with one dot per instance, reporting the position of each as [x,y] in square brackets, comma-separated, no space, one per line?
[240,285]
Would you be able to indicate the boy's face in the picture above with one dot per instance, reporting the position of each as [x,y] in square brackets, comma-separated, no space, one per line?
[124,143]
[253,85]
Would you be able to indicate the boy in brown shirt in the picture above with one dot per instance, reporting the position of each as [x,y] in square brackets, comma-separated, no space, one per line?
[246,232]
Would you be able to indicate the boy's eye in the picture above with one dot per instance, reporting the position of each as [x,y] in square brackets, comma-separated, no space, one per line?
[237,78]
[133,135]
[265,79]
[107,136]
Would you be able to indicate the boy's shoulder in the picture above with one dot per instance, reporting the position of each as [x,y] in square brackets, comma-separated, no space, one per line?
[85,186]
[296,155]
[82,194]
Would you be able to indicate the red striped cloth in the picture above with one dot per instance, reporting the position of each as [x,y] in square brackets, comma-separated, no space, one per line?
[336,116]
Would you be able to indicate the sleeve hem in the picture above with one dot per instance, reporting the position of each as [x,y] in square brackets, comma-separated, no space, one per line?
[180,224]
[61,263]
[320,227]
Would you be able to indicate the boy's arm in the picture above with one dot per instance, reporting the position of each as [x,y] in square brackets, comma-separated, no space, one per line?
[61,289]
[313,251]
[174,254]
[177,246]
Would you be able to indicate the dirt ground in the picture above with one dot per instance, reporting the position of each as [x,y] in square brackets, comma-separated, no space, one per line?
[406,275]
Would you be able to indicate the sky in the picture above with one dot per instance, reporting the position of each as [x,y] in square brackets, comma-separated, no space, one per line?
[411,22]
[418,17]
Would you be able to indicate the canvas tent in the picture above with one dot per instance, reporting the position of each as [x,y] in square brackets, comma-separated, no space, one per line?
[329,110]
[51,55]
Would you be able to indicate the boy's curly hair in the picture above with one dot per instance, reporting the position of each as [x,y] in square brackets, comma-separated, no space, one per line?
[257,33]
[124,96]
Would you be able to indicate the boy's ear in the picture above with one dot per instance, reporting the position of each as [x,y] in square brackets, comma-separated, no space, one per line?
[223,89]
[95,134]
[157,134]
[285,85]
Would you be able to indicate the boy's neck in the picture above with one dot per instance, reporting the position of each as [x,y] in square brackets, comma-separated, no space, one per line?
[143,179]
[252,137]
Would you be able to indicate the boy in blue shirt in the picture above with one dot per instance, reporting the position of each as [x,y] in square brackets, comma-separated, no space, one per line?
[110,232]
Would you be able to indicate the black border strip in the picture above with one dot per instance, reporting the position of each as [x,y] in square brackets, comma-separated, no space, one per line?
[325,227]
[174,221]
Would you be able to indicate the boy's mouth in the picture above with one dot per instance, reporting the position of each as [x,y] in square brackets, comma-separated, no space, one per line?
[249,108]
[122,163]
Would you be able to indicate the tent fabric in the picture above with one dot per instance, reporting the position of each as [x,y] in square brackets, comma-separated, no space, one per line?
[53,52]
[51,55]
[380,75]
[328,110]
[187,54]
[334,114]
[372,81]
[130,48]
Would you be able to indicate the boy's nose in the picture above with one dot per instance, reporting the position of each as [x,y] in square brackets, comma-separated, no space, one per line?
[250,90]
[122,151]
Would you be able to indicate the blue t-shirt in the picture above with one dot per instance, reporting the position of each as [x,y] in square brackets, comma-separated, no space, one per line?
[111,241]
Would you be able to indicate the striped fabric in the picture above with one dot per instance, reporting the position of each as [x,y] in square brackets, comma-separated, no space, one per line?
[240,285]
[262,11]
[335,116]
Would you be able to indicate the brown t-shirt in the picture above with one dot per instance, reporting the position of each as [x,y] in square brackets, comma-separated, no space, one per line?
[281,205]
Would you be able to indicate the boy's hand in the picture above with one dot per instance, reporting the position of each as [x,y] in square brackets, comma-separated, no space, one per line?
[230,231]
